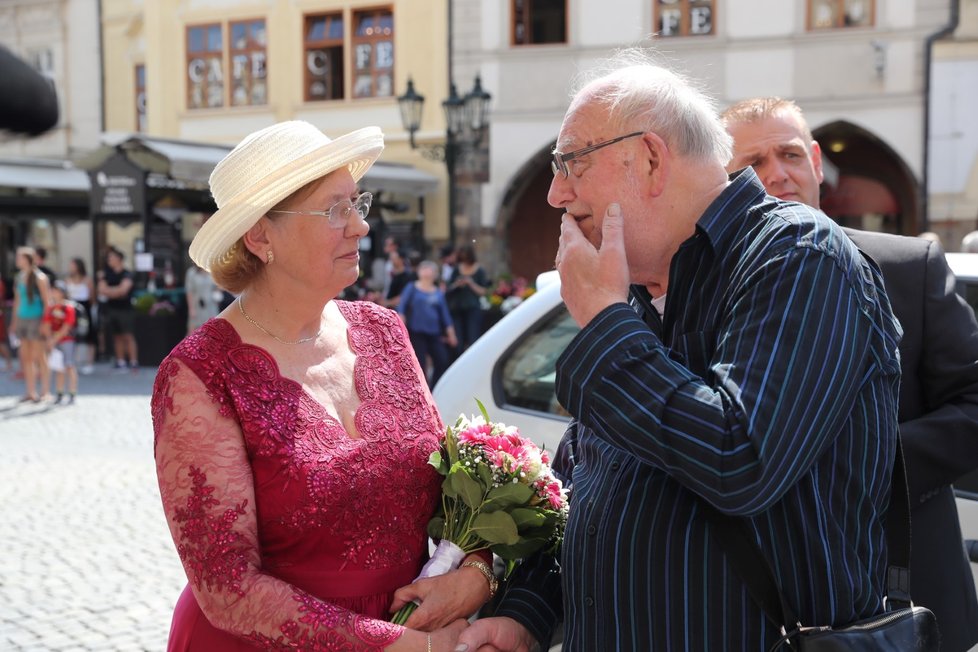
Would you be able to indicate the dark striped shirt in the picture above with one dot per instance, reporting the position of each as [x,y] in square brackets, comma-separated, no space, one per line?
[768,389]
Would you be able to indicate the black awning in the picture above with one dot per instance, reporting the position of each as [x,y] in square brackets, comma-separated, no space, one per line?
[28,101]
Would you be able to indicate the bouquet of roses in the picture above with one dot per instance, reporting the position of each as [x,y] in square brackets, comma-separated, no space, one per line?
[499,494]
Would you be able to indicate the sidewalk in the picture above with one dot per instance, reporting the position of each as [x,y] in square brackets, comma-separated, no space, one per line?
[87,561]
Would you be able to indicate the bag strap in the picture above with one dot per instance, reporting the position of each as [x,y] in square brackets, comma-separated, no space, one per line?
[733,535]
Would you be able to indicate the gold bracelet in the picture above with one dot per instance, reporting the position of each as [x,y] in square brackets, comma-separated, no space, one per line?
[429,642]
[483,568]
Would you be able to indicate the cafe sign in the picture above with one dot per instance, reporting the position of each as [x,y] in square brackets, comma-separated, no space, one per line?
[118,188]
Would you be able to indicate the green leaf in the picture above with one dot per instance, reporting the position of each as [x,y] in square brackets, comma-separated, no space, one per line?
[496,528]
[507,495]
[436,460]
[436,527]
[522,549]
[467,488]
[451,447]
[484,474]
[482,408]
[527,517]
[447,487]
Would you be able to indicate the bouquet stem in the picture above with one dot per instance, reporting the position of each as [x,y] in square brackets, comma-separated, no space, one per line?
[447,557]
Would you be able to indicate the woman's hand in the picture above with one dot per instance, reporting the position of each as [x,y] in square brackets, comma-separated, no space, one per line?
[444,598]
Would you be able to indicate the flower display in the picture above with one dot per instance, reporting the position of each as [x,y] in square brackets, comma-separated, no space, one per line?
[509,292]
[499,493]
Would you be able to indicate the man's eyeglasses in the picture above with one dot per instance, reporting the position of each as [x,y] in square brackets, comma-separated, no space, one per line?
[339,213]
[559,162]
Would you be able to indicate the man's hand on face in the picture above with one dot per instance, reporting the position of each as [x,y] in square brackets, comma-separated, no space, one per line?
[592,279]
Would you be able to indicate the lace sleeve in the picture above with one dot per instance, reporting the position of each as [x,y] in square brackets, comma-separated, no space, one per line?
[208,497]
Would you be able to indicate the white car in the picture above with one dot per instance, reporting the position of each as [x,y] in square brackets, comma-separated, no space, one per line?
[511,369]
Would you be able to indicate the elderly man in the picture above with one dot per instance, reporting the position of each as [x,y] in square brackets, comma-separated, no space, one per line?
[756,370]
[938,353]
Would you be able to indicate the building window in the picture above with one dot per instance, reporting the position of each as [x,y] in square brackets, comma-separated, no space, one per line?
[539,21]
[684,17]
[247,51]
[324,57]
[832,14]
[205,67]
[141,98]
[373,53]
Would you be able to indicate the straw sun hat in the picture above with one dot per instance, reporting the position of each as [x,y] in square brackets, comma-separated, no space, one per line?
[268,166]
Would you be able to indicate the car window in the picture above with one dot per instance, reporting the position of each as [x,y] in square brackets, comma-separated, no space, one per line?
[526,372]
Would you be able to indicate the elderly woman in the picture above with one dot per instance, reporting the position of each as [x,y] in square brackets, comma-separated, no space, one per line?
[293,431]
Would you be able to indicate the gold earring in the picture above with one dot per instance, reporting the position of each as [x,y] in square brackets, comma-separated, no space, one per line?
[269,257]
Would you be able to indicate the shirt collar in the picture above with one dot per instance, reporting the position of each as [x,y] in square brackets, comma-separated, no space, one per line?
[743,191]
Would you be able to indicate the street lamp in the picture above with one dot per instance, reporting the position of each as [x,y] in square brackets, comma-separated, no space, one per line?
[466,120]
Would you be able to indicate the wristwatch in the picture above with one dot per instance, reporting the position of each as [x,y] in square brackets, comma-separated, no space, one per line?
[483,568]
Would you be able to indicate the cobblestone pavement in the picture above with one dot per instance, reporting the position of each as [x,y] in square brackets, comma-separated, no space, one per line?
[86,560]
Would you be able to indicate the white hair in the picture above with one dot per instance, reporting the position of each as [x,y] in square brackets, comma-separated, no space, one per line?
[640,93]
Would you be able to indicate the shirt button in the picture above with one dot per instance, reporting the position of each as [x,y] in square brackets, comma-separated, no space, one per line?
[588,601]
[592,529]
[615,465]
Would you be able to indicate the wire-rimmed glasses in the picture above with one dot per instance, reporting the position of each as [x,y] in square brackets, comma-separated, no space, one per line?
[339,213]
[559,162]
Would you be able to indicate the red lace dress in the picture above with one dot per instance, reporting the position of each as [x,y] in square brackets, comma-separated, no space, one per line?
[294,534]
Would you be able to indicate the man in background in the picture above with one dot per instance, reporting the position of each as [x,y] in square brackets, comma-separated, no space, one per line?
[938,354]
[115,285]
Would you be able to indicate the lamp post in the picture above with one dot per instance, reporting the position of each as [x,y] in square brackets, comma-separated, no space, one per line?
[466,120]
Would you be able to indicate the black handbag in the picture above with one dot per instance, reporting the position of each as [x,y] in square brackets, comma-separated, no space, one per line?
[905,627]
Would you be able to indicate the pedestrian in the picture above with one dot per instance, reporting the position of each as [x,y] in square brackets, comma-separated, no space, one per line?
[969,243]
[447,259]
[939,388]
[81,290]
[400,276]
[58,327]
[116,285]
[203,297]
[40,259]
[4,338]
[292,433]
[755,372]
[31,290]
[428,321]
[466,287]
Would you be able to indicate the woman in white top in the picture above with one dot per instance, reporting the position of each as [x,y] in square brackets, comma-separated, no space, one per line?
[80,289]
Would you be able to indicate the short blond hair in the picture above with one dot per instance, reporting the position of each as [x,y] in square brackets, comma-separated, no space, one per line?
[756,109]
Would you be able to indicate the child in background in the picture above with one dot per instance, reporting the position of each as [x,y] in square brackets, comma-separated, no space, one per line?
[58,327]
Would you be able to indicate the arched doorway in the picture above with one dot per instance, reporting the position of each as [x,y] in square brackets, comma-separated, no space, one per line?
[867,184]
[527,226]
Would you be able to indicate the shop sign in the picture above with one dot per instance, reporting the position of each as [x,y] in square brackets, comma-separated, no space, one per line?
[118,188]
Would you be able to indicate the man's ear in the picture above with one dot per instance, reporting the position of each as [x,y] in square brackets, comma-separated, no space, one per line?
[256,239]
[817,161]
[657,159]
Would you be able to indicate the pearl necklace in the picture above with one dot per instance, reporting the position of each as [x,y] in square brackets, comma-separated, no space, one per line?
[273,336]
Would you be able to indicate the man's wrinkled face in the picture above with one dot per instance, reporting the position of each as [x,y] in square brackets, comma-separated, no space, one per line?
[787,163]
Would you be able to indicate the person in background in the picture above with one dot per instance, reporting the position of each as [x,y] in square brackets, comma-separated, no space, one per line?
[466,287]
[81,290]
[41,257]
[969,243]
[116,286]
[938,409]
[31,295]
[400,276]
[933,237]
[429,324]
[292,432]
[736,353]
[4,337]
[203,297]
[447,260]
[58,327]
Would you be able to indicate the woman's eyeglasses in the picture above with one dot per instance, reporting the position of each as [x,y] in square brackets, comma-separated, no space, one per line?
[339,213]
[559,162]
